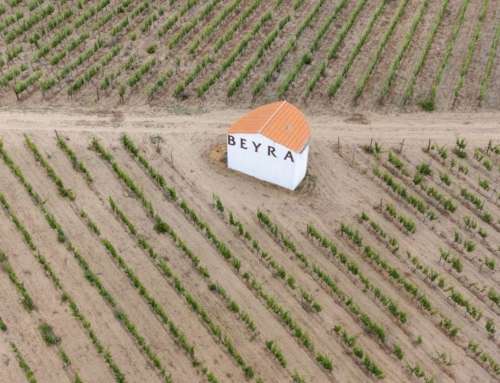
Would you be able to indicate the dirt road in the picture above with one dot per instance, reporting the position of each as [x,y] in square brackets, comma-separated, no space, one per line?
[416,128]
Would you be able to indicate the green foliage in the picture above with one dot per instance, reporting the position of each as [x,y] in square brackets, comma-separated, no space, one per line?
[490,327]
[297,378]
[405,221]
[494,296]
[398,352]
[482,232]
[63,191]
[93,70]
[156,308]
[424,169]
[272,346]
[370,326]
[159,223]
[28,23]
[133,150]
[177,284]
[26,299]
[218,204]
[483,357]
[192,23]
[460,147]
[306,58]
[457,26]
[28,372]
[237,51]
[490,263]
[283,53]
[78,165]
[48,334]
[374,148]
[391,242]
[3,326]
[488,70]
[139,73]
[428,104]
[422,59]
[397,163]
[179,89]
[377,57]
[22,85]
[446,203]
[400,190]
[470,223]
[471,48]
[324,361]
[473,198]
[212,25]
[278,269]
[396,63]
[173,19]
[37,200]
[351,343]
[337,83]
[469,246]
[237,82]
[445,178]
[284,315]
[11,74]
[484,183]
[242,19]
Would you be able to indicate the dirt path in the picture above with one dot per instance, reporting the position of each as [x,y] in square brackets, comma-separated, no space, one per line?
[415,128]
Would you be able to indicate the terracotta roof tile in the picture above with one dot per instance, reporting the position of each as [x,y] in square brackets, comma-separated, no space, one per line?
[279,121]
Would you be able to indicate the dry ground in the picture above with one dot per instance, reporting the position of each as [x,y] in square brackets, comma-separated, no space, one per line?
[188,151]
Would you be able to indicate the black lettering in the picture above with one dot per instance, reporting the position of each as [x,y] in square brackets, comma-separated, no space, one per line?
[289,155]
[270,150]
[256,146]
[230,140]
[243,143]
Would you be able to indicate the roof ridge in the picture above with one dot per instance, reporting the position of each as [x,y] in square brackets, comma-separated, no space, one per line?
[271,117]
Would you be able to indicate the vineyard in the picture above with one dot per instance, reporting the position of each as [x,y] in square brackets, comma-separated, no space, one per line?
[131,255]
[343,55]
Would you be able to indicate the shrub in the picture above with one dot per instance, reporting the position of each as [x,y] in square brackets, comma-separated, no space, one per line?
[485,184]
[490,327]
[324,361]
[424,169]
[428,104]
[445,179]
[459,149]
[48,335]
[490,263]
[398,352]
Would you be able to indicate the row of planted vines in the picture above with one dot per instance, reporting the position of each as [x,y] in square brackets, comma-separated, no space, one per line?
[163,52]
[196,284]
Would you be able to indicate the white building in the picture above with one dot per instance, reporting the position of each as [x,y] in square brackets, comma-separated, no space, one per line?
[271,143]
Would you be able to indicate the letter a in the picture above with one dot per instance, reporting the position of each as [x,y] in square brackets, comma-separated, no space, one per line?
[289,155]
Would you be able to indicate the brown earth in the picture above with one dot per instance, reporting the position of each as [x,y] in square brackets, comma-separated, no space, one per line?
[189,151]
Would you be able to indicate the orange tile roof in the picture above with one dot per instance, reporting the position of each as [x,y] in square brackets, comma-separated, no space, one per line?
[279,121]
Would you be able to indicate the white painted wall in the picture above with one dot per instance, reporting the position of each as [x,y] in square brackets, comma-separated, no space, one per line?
[259,164]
